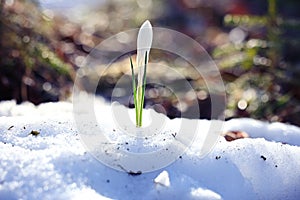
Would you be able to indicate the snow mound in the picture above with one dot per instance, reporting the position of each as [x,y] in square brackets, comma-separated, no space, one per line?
[52,163]
[278,132]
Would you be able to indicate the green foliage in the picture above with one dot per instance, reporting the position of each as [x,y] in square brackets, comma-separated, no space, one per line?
[260,77]
[139,99]
[29,56]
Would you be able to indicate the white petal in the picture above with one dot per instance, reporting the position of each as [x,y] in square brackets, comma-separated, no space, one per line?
[145,36]
[144,42]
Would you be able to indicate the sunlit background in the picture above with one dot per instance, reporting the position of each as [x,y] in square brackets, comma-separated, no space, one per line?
[254,43]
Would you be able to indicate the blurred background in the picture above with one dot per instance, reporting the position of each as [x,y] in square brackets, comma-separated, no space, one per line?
[255,44]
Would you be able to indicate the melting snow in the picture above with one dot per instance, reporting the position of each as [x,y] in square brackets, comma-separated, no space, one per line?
[55,164]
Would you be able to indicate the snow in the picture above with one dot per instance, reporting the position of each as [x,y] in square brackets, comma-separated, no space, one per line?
[163,179]
[56,164]
[278,132]
[204,194]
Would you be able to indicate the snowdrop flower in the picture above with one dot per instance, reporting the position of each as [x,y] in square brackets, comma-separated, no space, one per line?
[144,42]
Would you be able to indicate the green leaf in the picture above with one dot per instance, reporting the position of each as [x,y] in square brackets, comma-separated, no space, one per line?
[134,91]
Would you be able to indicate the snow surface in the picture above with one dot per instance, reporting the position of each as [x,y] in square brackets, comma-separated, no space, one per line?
[55,164]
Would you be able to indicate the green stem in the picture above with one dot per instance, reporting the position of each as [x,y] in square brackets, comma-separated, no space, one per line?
[139,99]
[143,91]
